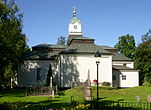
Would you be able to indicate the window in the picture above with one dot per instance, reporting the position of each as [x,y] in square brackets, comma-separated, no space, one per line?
[39,75]
[124,64]
[114,77]
[123,77]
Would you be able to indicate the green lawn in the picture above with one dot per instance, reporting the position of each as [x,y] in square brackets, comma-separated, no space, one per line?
[19,95]
[19,99]
[105,93]
[126,95]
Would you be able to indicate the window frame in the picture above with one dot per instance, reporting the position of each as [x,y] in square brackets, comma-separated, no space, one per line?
[123,77]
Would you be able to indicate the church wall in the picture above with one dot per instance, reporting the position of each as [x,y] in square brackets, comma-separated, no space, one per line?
[106,69]
[75,69]
[132,79]
[27,75]
[125,78]
[69,75]
[129,64]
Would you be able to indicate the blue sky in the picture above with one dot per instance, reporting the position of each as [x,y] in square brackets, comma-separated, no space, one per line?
[103,20]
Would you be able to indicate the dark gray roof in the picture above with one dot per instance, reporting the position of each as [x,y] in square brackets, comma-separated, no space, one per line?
[78,37]
[120,57]
[123,68]
[119,67]
[73,48]
[106,47]
[82,38]
[41,55]
[49,46]
[84,48]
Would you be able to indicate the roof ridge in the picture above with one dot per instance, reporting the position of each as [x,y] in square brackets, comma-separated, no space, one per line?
[84,48]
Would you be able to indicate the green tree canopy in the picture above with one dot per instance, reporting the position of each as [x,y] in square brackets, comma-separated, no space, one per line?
[126,45]
[146,36]
[143,60]
[12,41]
[61,40]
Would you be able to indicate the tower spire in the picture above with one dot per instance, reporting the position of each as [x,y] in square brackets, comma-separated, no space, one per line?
[74,27]
[74,12]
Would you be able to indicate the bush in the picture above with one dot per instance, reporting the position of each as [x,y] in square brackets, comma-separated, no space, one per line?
[146,84]
[106,84]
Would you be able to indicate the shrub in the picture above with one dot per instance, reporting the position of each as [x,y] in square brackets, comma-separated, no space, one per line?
[106,84]
[146,84]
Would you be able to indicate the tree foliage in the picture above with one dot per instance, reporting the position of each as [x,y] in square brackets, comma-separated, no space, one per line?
[146,36]
[61,40]
[143,60]
[12,41]
[126,45]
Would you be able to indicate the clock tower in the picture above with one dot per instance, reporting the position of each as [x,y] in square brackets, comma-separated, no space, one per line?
[74,27]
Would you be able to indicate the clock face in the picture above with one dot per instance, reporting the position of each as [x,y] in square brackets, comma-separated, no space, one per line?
[75,26]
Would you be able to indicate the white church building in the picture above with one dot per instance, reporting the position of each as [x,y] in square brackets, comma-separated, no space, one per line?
[71,63]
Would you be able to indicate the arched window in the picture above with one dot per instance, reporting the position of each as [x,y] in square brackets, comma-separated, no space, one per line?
[39,74]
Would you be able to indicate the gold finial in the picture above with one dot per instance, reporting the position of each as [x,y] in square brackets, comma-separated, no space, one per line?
[74,11]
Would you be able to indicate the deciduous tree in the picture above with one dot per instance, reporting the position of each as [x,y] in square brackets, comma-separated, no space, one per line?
[146,36]
[12,41]
[143,60]
[126,45]
[61,40]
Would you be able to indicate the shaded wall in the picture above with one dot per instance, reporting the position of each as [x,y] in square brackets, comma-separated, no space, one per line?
[27,74]
[74,69]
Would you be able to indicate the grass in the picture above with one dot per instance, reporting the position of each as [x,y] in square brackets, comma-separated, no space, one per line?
[18,95]
[126,95]
[105,93]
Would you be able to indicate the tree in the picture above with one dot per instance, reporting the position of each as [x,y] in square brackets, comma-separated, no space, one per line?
[12,41]
[49,74]
[146,36]
[61,40]
[126,45]
[143,60]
